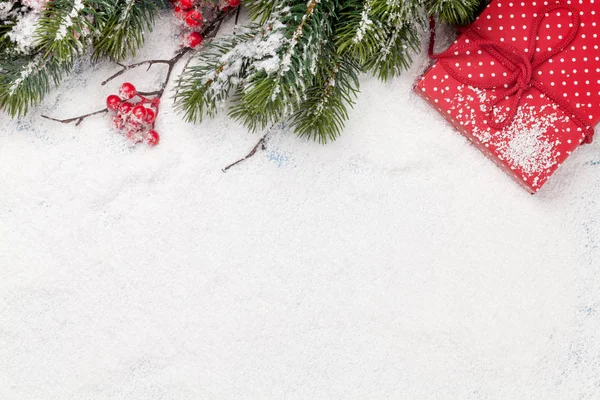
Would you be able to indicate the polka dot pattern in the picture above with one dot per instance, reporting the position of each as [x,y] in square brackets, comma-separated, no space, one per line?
[572,75]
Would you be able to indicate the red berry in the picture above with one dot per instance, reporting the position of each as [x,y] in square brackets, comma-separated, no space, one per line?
[233,3]
[150,116]
[186,4]
[151,138]
[179,12]
[139,112]
[127,91]
[118,121]
[125,108]
[133,135]
[194,40]
[193,18]
[134,125]
[112,102]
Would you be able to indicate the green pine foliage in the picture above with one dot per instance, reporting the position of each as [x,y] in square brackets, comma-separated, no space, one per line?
[324,111]
[382,36]
[32,64]
[300,60]
[122,26]
[457,12]
[202,87]
[272,92]
[25,80]
[5,28]
[63,28]
[261,10]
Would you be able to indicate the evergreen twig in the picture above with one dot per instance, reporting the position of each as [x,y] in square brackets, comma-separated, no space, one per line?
[211,30]
[64,30]
[301,59]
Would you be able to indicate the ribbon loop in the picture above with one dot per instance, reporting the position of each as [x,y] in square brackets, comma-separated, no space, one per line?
[521,66]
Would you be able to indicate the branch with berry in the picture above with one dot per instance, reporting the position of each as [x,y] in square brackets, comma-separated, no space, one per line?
[297,61]
[134,112]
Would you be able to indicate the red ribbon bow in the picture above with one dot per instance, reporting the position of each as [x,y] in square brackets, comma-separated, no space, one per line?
[521,68]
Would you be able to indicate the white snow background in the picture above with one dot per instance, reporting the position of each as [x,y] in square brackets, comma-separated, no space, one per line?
[395,263]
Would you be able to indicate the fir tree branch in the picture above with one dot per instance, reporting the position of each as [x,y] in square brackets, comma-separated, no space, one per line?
[64,31]
[299,62]
[6,45]
[323,113]
[24,81]
[295,79]
[261,10]
[63,27]
[269,96]
[123,27]
[382,35]
[211,29]
[456,12]
[202,87]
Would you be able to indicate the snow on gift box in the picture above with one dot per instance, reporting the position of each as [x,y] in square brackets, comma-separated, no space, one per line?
[522,83]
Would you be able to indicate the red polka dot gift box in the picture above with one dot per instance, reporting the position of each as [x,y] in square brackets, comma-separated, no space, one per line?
[522,83]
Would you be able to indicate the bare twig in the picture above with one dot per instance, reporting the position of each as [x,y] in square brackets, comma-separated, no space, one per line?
[150,63]
[211,30]
[77,119]
[153,93]
[261,144]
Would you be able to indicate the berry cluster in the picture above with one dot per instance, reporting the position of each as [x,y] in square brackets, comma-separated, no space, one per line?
[134,114]
[194,13]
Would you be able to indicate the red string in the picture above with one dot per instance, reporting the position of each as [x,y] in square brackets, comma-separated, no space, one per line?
[521,66]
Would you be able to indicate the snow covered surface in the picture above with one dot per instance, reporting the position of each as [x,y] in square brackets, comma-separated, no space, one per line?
[395,263]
